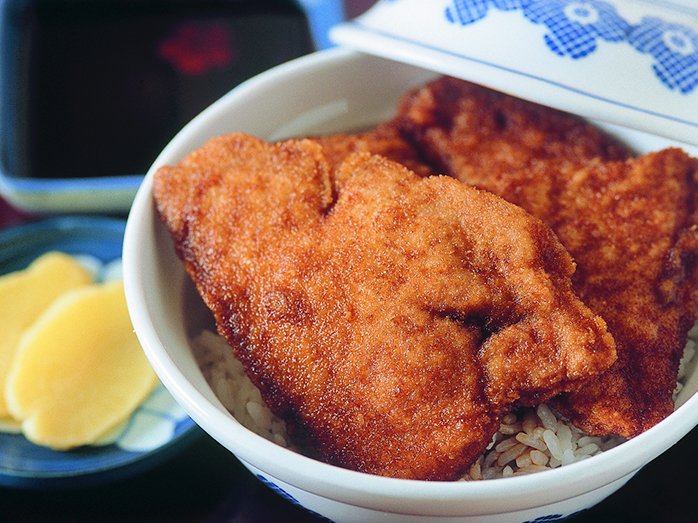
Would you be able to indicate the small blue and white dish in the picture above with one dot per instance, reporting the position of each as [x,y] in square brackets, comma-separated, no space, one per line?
[154,432]
[628,62]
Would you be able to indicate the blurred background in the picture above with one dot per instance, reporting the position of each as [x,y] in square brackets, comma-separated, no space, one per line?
[96,88]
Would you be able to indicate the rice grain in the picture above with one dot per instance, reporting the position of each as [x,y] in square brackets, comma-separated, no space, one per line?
[528,441]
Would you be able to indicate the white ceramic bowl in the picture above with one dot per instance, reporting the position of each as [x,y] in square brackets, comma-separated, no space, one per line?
[326,92]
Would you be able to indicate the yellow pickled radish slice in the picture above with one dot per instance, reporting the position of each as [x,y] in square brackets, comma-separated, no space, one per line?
[79,370]
[24,295]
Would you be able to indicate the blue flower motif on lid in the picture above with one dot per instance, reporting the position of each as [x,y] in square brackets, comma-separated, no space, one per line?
[675,49]
[575,25]
[468,11]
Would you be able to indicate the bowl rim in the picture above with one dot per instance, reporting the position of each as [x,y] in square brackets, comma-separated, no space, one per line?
[332,482]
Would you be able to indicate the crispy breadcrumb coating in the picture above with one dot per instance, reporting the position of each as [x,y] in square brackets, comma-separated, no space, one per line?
[630,225]
[390,319]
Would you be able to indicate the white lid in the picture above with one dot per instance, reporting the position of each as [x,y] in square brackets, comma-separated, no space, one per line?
[627,62]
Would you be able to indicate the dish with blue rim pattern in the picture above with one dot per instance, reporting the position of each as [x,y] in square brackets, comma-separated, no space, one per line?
[156,430]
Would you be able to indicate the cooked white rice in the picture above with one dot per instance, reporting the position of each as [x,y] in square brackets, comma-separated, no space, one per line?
[531,440]
[227,378]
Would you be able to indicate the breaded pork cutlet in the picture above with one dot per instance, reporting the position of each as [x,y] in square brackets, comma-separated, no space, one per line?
[391,322]
[464,128]
[384,139]
[632,228]
[630,225]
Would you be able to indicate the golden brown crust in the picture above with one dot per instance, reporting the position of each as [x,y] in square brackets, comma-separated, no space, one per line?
[385,140]
[477,133]
[392,322]
[636,245]
[629,225]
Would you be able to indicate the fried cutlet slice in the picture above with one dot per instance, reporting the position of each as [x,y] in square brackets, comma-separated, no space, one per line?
[479,134]
[390,323]
[632,227]
[384,139]
[629,225]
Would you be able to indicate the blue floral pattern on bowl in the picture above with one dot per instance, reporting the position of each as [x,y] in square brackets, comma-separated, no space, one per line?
[553,518]
[576,25]
[281,492]
[549,518]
